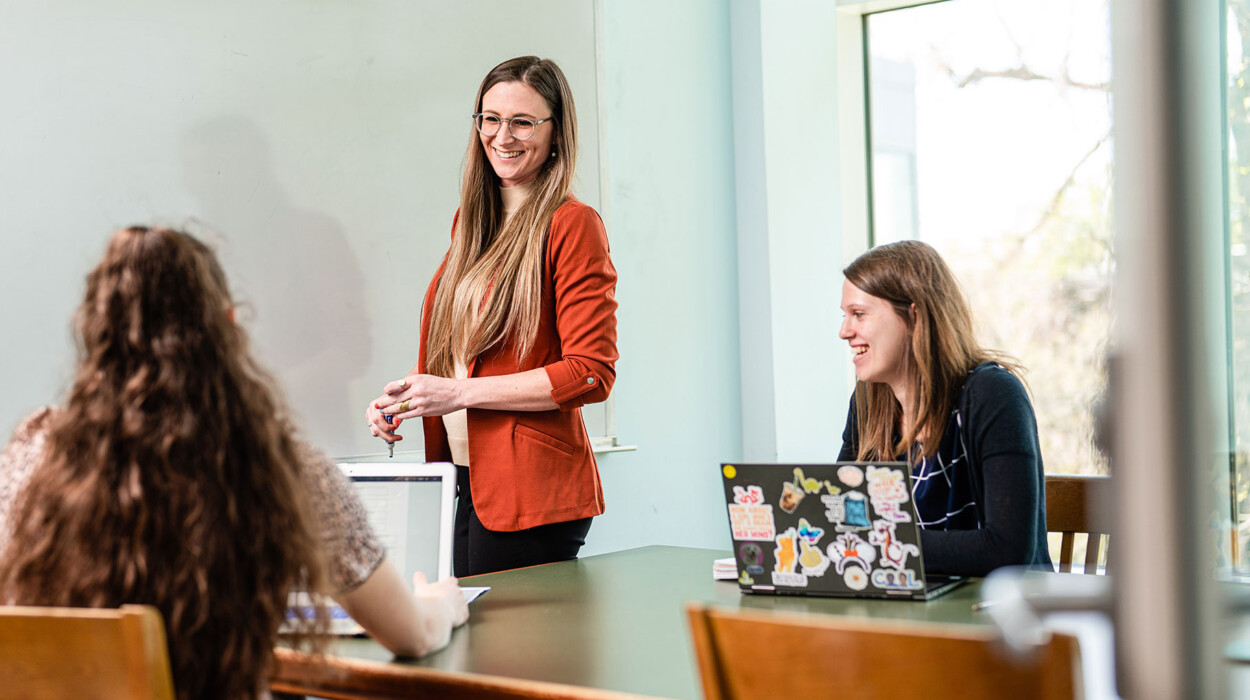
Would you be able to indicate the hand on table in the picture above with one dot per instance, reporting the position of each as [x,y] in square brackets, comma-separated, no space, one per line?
[444,596]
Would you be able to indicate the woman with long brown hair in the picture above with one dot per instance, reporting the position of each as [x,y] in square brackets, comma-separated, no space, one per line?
[170,478]
[518,332]
[928,394]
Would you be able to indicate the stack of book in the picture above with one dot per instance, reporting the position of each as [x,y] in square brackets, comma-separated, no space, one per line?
[724,569]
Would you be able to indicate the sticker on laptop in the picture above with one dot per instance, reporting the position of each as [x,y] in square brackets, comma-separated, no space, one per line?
[791,496]
[851,475]
[752,557]
[808,484]
[787,554]
[849,550]
[901,580]
[893,552]
[853,507]
[813,560]
[855,578]
[835,507]
[749,517]
[888,491]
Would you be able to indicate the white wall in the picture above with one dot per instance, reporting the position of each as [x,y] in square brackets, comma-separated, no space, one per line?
[671,223]
[725,218]
[319,144]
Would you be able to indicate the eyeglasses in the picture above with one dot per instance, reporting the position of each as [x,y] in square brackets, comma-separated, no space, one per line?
[521,128]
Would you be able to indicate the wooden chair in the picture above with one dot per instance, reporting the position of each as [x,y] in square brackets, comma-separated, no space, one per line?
[1075,504]
[763,656]
[54,653]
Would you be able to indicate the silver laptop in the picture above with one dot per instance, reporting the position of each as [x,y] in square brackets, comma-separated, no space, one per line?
[847,529]
[411,508]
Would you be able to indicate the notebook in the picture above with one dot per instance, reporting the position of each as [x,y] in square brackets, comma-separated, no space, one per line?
[410,507]
[846,529]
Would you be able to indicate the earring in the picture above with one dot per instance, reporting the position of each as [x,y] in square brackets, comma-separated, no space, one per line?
[553,154]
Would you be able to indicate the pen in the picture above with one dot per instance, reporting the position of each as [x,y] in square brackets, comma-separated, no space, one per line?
[390,446]
[982,605]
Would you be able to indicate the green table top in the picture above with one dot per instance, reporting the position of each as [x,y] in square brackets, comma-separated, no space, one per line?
[617,621]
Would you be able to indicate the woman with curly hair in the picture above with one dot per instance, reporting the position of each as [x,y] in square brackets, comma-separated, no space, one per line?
[170,478]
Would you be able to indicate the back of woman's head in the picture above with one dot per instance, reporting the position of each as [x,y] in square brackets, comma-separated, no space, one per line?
[943,349]
[169,477]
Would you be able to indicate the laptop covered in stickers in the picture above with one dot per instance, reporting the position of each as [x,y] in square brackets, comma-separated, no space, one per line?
[846,530]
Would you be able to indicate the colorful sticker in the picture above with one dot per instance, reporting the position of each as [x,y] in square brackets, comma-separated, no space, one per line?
[849,548]
[745,579]
[810,534]
[902,580]
[787,552]
[855,578]
[851,475]
[856,507]
[813,560]
[787,556]
[749,495]
[808,485]
[791,495]
[893,552]
[752,558]
[831,488]
[752,522]
[730,471]
[888,491]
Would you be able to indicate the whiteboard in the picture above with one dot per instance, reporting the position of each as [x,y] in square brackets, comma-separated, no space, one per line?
[316,144]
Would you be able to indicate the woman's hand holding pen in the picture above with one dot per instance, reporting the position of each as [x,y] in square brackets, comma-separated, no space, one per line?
[380,427]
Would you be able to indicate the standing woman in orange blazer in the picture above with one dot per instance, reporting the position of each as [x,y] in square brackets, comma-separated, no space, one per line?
[518,331]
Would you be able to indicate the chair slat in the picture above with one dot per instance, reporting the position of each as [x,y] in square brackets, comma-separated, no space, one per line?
[1065,552]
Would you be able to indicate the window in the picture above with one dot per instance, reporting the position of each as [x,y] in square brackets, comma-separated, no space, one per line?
[1237,112]
[990,138]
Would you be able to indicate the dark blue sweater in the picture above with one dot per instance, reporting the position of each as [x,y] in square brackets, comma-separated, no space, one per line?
[981,497]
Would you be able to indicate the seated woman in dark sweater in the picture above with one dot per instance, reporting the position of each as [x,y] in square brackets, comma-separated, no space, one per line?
[927,393]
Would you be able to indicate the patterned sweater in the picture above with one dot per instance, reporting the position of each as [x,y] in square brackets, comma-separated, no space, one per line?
[981,497]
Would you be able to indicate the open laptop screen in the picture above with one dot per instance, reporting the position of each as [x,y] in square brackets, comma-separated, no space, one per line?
[411,509]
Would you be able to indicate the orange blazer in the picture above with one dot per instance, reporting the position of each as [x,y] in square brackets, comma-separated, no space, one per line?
[531,468]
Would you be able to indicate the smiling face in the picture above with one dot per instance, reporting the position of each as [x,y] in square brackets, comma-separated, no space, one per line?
[879,337]
[517,162]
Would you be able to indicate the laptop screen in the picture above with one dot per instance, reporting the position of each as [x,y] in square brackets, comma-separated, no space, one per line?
[411,509]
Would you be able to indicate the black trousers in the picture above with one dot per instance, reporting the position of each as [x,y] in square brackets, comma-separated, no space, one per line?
[477,550]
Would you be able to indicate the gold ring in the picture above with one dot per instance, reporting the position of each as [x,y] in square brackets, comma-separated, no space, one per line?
[403,407]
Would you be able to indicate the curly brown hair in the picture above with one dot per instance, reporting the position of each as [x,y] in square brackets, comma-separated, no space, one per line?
[170,478]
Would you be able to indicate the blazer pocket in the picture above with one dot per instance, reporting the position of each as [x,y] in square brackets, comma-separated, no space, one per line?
[527,432]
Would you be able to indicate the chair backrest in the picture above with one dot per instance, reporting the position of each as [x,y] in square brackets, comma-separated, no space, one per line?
[1077,504]
[55,653]
[773,656]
